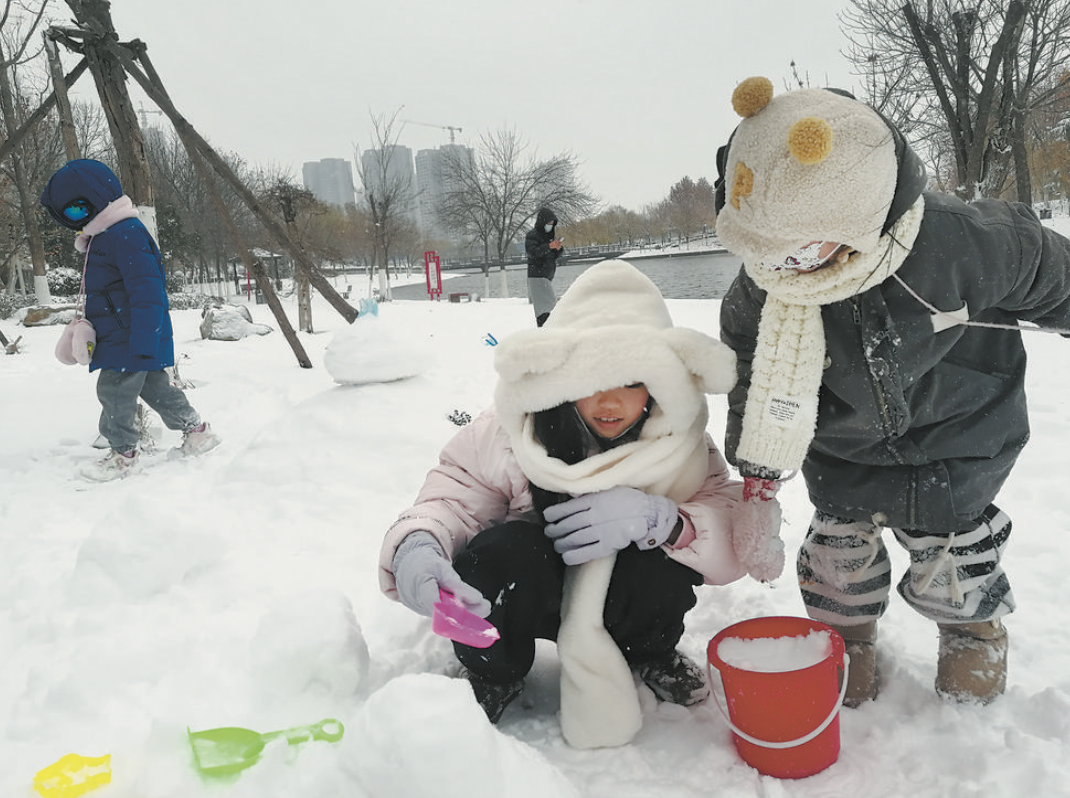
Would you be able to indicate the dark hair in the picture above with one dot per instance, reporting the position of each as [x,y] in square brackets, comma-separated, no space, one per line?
[562,432]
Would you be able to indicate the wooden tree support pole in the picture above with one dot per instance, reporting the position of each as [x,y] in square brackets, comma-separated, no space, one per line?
[35,118]
[253,265]
[63,103]
[155,91]
[94,19]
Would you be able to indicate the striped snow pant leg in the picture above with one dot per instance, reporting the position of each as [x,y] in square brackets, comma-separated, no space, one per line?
[956,577]
[844,572]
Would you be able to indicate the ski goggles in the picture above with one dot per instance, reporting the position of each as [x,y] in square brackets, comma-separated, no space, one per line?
[808,258]
[78,210]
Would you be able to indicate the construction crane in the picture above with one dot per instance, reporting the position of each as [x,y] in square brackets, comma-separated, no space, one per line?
[141,109]
[451,129]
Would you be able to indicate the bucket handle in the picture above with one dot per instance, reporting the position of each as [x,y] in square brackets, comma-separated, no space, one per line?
[787,743]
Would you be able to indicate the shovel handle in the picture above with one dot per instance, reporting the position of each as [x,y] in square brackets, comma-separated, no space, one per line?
[328,729]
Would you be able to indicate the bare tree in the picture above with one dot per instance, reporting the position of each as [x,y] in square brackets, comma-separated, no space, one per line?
[19,25]
[690,206]
[389,192]
[493,196]
[962,76]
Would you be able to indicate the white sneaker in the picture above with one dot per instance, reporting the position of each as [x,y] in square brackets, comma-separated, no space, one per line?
[114,465]
[197,441]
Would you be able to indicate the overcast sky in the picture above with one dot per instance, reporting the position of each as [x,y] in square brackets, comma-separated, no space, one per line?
[639,92]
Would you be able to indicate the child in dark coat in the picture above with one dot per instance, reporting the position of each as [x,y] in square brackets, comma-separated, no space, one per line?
[126,301]
[876,330]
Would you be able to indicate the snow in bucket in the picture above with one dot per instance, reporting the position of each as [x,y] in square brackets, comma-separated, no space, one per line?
[776,654]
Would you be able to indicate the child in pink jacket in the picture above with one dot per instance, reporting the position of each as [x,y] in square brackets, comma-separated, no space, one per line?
[590,483]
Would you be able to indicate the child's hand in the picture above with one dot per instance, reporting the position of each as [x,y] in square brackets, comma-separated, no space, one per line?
[756,531]
[597,524]
[421,568]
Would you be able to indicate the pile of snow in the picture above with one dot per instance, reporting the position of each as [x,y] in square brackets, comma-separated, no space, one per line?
[240,589]
[775,654]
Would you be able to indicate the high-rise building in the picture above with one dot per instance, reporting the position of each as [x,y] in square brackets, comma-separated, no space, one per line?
[330,181]
[432,181]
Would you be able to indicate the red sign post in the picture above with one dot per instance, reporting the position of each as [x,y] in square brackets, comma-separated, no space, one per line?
[433,270]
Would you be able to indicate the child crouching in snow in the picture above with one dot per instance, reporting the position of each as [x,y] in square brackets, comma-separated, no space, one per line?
[584,507]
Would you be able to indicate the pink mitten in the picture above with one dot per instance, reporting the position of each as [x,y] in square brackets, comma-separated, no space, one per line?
[756,535]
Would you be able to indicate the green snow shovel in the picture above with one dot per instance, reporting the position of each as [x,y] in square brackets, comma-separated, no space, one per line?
[228,750]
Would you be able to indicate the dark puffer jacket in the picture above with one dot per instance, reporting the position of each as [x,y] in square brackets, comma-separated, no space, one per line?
[125,284]
[542,261]
[921,425]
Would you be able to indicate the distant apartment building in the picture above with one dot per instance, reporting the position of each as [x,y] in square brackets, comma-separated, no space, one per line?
[330,181]
[432,184]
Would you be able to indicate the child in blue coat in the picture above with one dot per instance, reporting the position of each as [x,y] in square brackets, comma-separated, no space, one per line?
[126,301]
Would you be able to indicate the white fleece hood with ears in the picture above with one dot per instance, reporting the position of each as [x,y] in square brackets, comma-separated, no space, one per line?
[612,328]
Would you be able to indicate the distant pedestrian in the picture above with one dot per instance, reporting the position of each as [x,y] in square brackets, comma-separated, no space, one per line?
[543,249]
[126,301]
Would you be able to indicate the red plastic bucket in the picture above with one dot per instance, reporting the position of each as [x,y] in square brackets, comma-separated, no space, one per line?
[784,723]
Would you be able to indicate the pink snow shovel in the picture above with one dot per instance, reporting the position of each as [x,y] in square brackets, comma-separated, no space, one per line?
[453,621]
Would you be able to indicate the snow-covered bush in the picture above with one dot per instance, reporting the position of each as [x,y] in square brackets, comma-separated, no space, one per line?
[184,301]
[9,303]
[64,281]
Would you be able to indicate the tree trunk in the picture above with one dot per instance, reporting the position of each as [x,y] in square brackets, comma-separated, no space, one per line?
[967,115]
[304,302]
[27,199]
[504,282]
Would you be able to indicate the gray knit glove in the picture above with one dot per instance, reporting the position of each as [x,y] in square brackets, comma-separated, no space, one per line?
[421,568]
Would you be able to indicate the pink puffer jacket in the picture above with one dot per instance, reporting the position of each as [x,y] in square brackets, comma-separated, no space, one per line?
[478,484]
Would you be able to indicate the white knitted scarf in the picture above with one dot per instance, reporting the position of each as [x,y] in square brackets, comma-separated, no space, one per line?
[781,412]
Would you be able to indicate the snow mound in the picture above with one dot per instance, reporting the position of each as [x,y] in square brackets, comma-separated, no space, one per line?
[374,349]
[424,734]
[310,642]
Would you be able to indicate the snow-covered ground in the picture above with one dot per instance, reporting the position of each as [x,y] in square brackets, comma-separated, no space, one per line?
[239,589]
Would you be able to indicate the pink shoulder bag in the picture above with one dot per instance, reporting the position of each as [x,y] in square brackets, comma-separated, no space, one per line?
[76,342]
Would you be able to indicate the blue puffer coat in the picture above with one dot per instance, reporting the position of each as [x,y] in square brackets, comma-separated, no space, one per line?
[126,296]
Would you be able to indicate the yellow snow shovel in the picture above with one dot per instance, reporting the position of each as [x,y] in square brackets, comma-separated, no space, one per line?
[221,751]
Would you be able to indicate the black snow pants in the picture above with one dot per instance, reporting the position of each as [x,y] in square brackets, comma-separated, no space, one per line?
[515,567]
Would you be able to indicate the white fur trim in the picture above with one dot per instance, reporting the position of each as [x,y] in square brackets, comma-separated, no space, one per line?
[599,702]
[115,211]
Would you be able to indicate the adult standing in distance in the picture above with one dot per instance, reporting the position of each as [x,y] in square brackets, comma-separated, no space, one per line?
[543,249]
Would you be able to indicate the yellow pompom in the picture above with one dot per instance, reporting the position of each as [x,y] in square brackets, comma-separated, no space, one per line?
[751,96]
[742,184]
[810,140]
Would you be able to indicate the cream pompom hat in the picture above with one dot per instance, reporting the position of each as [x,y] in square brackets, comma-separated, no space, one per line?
[808,165]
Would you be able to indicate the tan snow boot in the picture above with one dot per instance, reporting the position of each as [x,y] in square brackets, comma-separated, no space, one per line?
[972,663]
[863,680]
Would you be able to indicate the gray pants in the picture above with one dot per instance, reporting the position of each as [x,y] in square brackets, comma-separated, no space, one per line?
[118,392]
[954,577]
[541,295]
